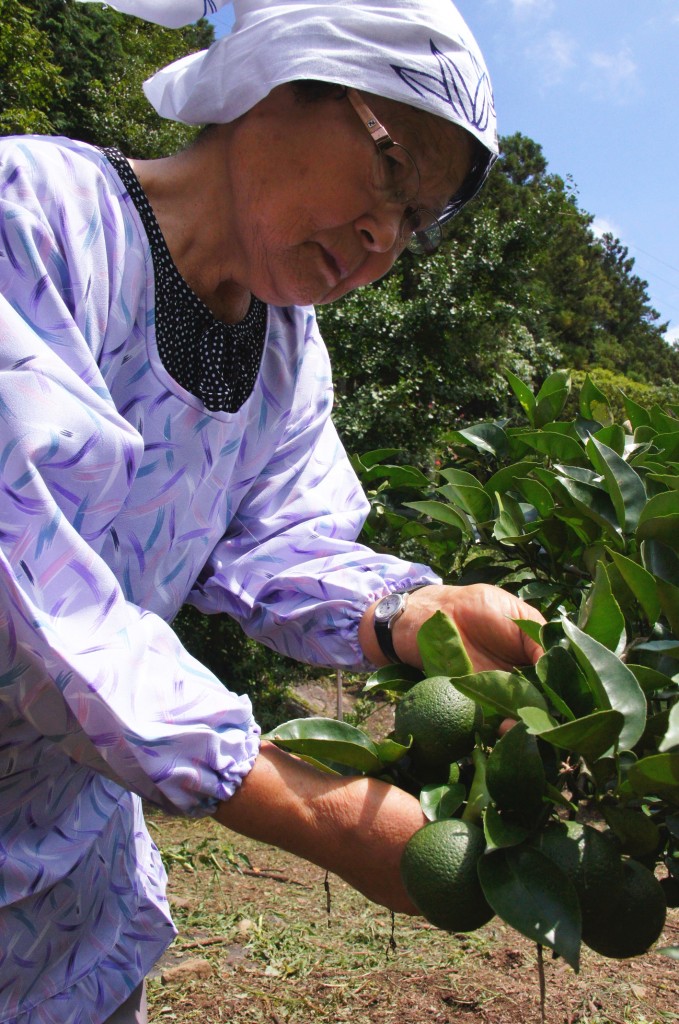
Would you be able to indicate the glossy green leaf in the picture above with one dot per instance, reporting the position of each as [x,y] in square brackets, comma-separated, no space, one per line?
[641,584]
[502,692]
[649,679]
[442,513]
[554,386]
[657,774]
[396,476]
[485,437]
[540,593]
[438,802]
[590,737]
[366,460]
[663,423]
[531,628]
[660,560]
[524,395]
[670,741]
[582,475]
[666,648]
[557,447]
[638,836]
[324,766]
[503,479]
[644,433]
[515,774]
[479,797]
[393,679]
[472,499]
[668,480]
[593,503]
[637,415]
[668,595]
[536,494]
[613,436]
[561,676]
[531,894]
[328,739]
[537,720]
[559,706]
[501,830]
[441,647]
[611,682]
[459,476]
[659,519]
[600,615]
[593,402]
[668,445]
[625,486]
[389,751]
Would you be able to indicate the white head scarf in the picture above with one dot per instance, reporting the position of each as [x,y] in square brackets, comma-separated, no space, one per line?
[418,52]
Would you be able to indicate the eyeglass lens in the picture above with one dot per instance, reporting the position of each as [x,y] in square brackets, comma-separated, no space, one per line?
[397,177]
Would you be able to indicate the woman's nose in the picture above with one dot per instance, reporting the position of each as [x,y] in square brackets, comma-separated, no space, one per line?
[381,229]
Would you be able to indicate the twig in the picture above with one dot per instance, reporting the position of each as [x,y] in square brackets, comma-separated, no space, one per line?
[392,939]
[543,987]
[198,943]
[326,886]
[274,876]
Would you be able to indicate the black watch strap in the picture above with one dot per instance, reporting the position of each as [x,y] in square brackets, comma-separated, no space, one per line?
[384,639]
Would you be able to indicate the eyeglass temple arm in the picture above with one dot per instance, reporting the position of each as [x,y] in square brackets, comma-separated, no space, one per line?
[379,133]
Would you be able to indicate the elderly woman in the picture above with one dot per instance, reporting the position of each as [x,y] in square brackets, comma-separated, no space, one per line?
[166,437]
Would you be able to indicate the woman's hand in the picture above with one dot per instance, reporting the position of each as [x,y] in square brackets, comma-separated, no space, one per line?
[483,615]
[355,827]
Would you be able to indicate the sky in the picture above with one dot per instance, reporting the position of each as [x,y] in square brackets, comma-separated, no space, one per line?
[596,84]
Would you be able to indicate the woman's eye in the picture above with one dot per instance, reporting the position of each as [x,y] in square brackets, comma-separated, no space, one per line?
[400,174]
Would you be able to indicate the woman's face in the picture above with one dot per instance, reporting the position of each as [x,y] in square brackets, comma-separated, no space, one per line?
[306,223]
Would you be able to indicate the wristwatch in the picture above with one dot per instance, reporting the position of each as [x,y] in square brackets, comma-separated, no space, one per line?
[388,611]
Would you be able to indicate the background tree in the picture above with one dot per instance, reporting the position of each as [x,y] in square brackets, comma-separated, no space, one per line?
[76,69]
[29,78]
[522,284]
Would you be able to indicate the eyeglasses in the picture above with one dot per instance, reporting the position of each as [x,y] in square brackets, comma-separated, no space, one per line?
[396,176]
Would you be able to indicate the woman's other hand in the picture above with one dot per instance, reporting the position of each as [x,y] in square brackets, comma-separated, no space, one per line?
[483,615]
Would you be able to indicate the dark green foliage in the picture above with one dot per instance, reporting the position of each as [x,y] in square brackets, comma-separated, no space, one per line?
[77,69]
[579,800]
[521,285]
[30,82]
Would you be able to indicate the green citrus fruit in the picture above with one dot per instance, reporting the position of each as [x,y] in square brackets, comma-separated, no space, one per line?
[439,872]
[635,916]
[590,860]
[440,719]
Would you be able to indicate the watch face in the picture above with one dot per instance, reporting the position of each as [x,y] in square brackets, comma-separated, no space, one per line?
[388,607]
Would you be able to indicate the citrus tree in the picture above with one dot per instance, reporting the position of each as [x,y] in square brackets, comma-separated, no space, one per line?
[566,824]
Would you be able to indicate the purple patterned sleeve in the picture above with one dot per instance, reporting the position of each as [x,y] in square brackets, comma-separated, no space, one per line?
[289,568]
[83,660]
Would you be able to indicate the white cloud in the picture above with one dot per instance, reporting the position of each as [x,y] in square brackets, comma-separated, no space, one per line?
[672,336]
[524,8]
[555,54]
[614,71]
[601,226]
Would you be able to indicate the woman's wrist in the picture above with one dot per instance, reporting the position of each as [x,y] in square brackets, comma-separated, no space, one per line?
[355,827]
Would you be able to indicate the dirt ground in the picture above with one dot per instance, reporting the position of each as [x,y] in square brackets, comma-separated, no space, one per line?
[258,945]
